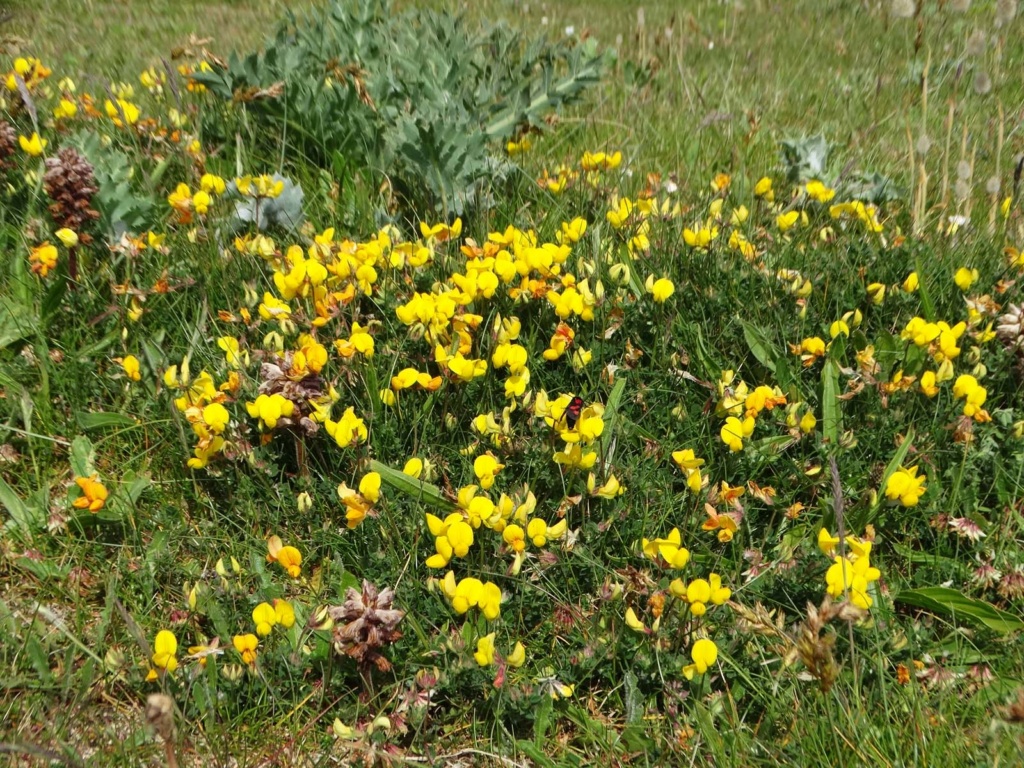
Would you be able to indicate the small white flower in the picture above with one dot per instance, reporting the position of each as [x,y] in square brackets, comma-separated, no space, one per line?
[967,528]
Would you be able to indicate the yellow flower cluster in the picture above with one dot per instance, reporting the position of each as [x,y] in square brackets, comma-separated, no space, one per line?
[472,593]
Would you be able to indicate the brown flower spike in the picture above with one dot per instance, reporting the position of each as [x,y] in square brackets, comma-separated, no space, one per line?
[364,624]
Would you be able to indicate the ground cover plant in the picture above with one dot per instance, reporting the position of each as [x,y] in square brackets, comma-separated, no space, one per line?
[396,402]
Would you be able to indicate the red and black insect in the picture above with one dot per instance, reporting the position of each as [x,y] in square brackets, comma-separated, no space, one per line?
[572,411]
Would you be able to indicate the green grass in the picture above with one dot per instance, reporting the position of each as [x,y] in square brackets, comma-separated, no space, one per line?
[85,595]
[100,38]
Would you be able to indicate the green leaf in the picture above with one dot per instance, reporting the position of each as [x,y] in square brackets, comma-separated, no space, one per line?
[759,345]
[53,298]
[611,409]
[133,486]
[347,581]
[429,494]
[28,519]
[83,456]
[634,703]
[17,321]
[44,570]
[931,558]
[39,659]
[945,600]
[831,406]
[927,305]
[542,720]
[101,420]
[535,753]
[85,354]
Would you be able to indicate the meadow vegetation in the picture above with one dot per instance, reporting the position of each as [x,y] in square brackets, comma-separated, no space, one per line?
[523,384]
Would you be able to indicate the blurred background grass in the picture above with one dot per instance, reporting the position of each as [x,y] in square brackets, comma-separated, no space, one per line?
[700,86]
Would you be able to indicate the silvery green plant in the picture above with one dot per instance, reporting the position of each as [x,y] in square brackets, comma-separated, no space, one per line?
[415,98]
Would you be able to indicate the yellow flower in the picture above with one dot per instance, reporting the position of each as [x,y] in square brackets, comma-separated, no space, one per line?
[287,557]
[67,236]
[43,258]
[904,485]
[413,467]
[785,221]
[33,146]
[369,486]
[269,409]
[808,422]
[165,649]
[620,215]
[598,161]
[668,549]
[259,186]
[357,506]
[734,431]
[350,430]
[818,191]
[854,577]
[453,537]
[246,645]
[810,350]
[264,618]
[839,328]
[928,385]
[700,592]
[131,367]
[704,654]
[965,278]
[441,232]
[572,231]
[516,147]
[701,237]
[486,468]
[472,592]
[518,656]
[201,202]
[216,417]
[234,356]
[912,282]
[129,111]
[515,537]
[967,388]
[284,612]
[212,184]
[611,488]
[574,457]
[876,292]
[463,368]
[660,289]
[633,622]
[94,494]
[539,532]
[485,650]
[725,524]
[688,462]
[763,189]
[65,108]
[826,542]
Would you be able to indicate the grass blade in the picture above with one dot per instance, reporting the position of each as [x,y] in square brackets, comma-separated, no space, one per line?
[411,487]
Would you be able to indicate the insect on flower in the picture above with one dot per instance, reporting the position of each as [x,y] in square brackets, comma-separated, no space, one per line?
[572,412]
